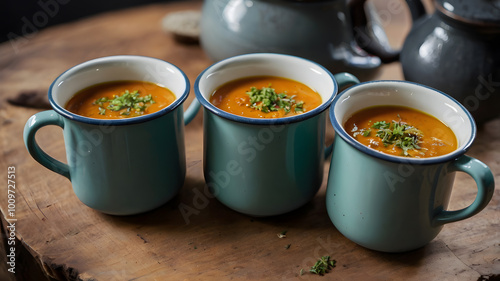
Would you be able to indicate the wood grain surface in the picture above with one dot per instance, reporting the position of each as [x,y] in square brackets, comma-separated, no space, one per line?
[57,237]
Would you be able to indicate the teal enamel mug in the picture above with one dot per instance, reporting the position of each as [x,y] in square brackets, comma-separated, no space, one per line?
[395,203]
[263,166]
[119,166]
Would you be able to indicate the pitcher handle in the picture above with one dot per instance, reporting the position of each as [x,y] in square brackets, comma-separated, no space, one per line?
[371,38]
[484,179]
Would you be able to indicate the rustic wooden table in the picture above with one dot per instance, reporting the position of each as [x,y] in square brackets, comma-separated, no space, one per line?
[57,237]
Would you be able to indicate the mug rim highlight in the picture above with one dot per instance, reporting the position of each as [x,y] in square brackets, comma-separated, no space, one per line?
[340,131]
[107,60]
[262,121]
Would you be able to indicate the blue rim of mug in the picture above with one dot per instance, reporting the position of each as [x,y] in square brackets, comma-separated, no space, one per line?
[263,121]
[127,121]
[340,131]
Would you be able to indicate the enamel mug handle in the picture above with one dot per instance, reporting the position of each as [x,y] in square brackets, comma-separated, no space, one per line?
[343,79]
[485,186]
[191,111]
[33,124]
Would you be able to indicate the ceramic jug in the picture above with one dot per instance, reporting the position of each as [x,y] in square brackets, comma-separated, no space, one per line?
[456,50]
[338,34]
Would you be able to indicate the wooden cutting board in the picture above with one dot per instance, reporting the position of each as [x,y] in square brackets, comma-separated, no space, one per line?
[57,237]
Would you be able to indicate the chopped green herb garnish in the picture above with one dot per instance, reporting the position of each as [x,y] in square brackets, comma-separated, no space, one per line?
[381,125]
[287,246]
[102,111]
[266,100]
[400,134]
[364,132]
[282,234]
[127,101]
[299,107]
[323,265]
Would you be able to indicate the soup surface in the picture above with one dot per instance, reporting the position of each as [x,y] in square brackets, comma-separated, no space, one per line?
[265,97]
[401,131]
[120,99]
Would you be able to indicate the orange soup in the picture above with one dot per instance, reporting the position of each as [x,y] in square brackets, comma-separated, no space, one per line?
[401,131]
[120,99]
[265,97]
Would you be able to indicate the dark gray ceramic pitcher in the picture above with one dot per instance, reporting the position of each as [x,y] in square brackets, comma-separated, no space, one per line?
[338,34]
[457,50]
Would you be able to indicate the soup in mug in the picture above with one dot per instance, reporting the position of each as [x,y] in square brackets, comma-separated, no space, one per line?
[265,97]
[120,99]
[401,131]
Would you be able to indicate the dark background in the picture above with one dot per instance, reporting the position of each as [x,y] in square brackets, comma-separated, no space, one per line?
[24,17]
